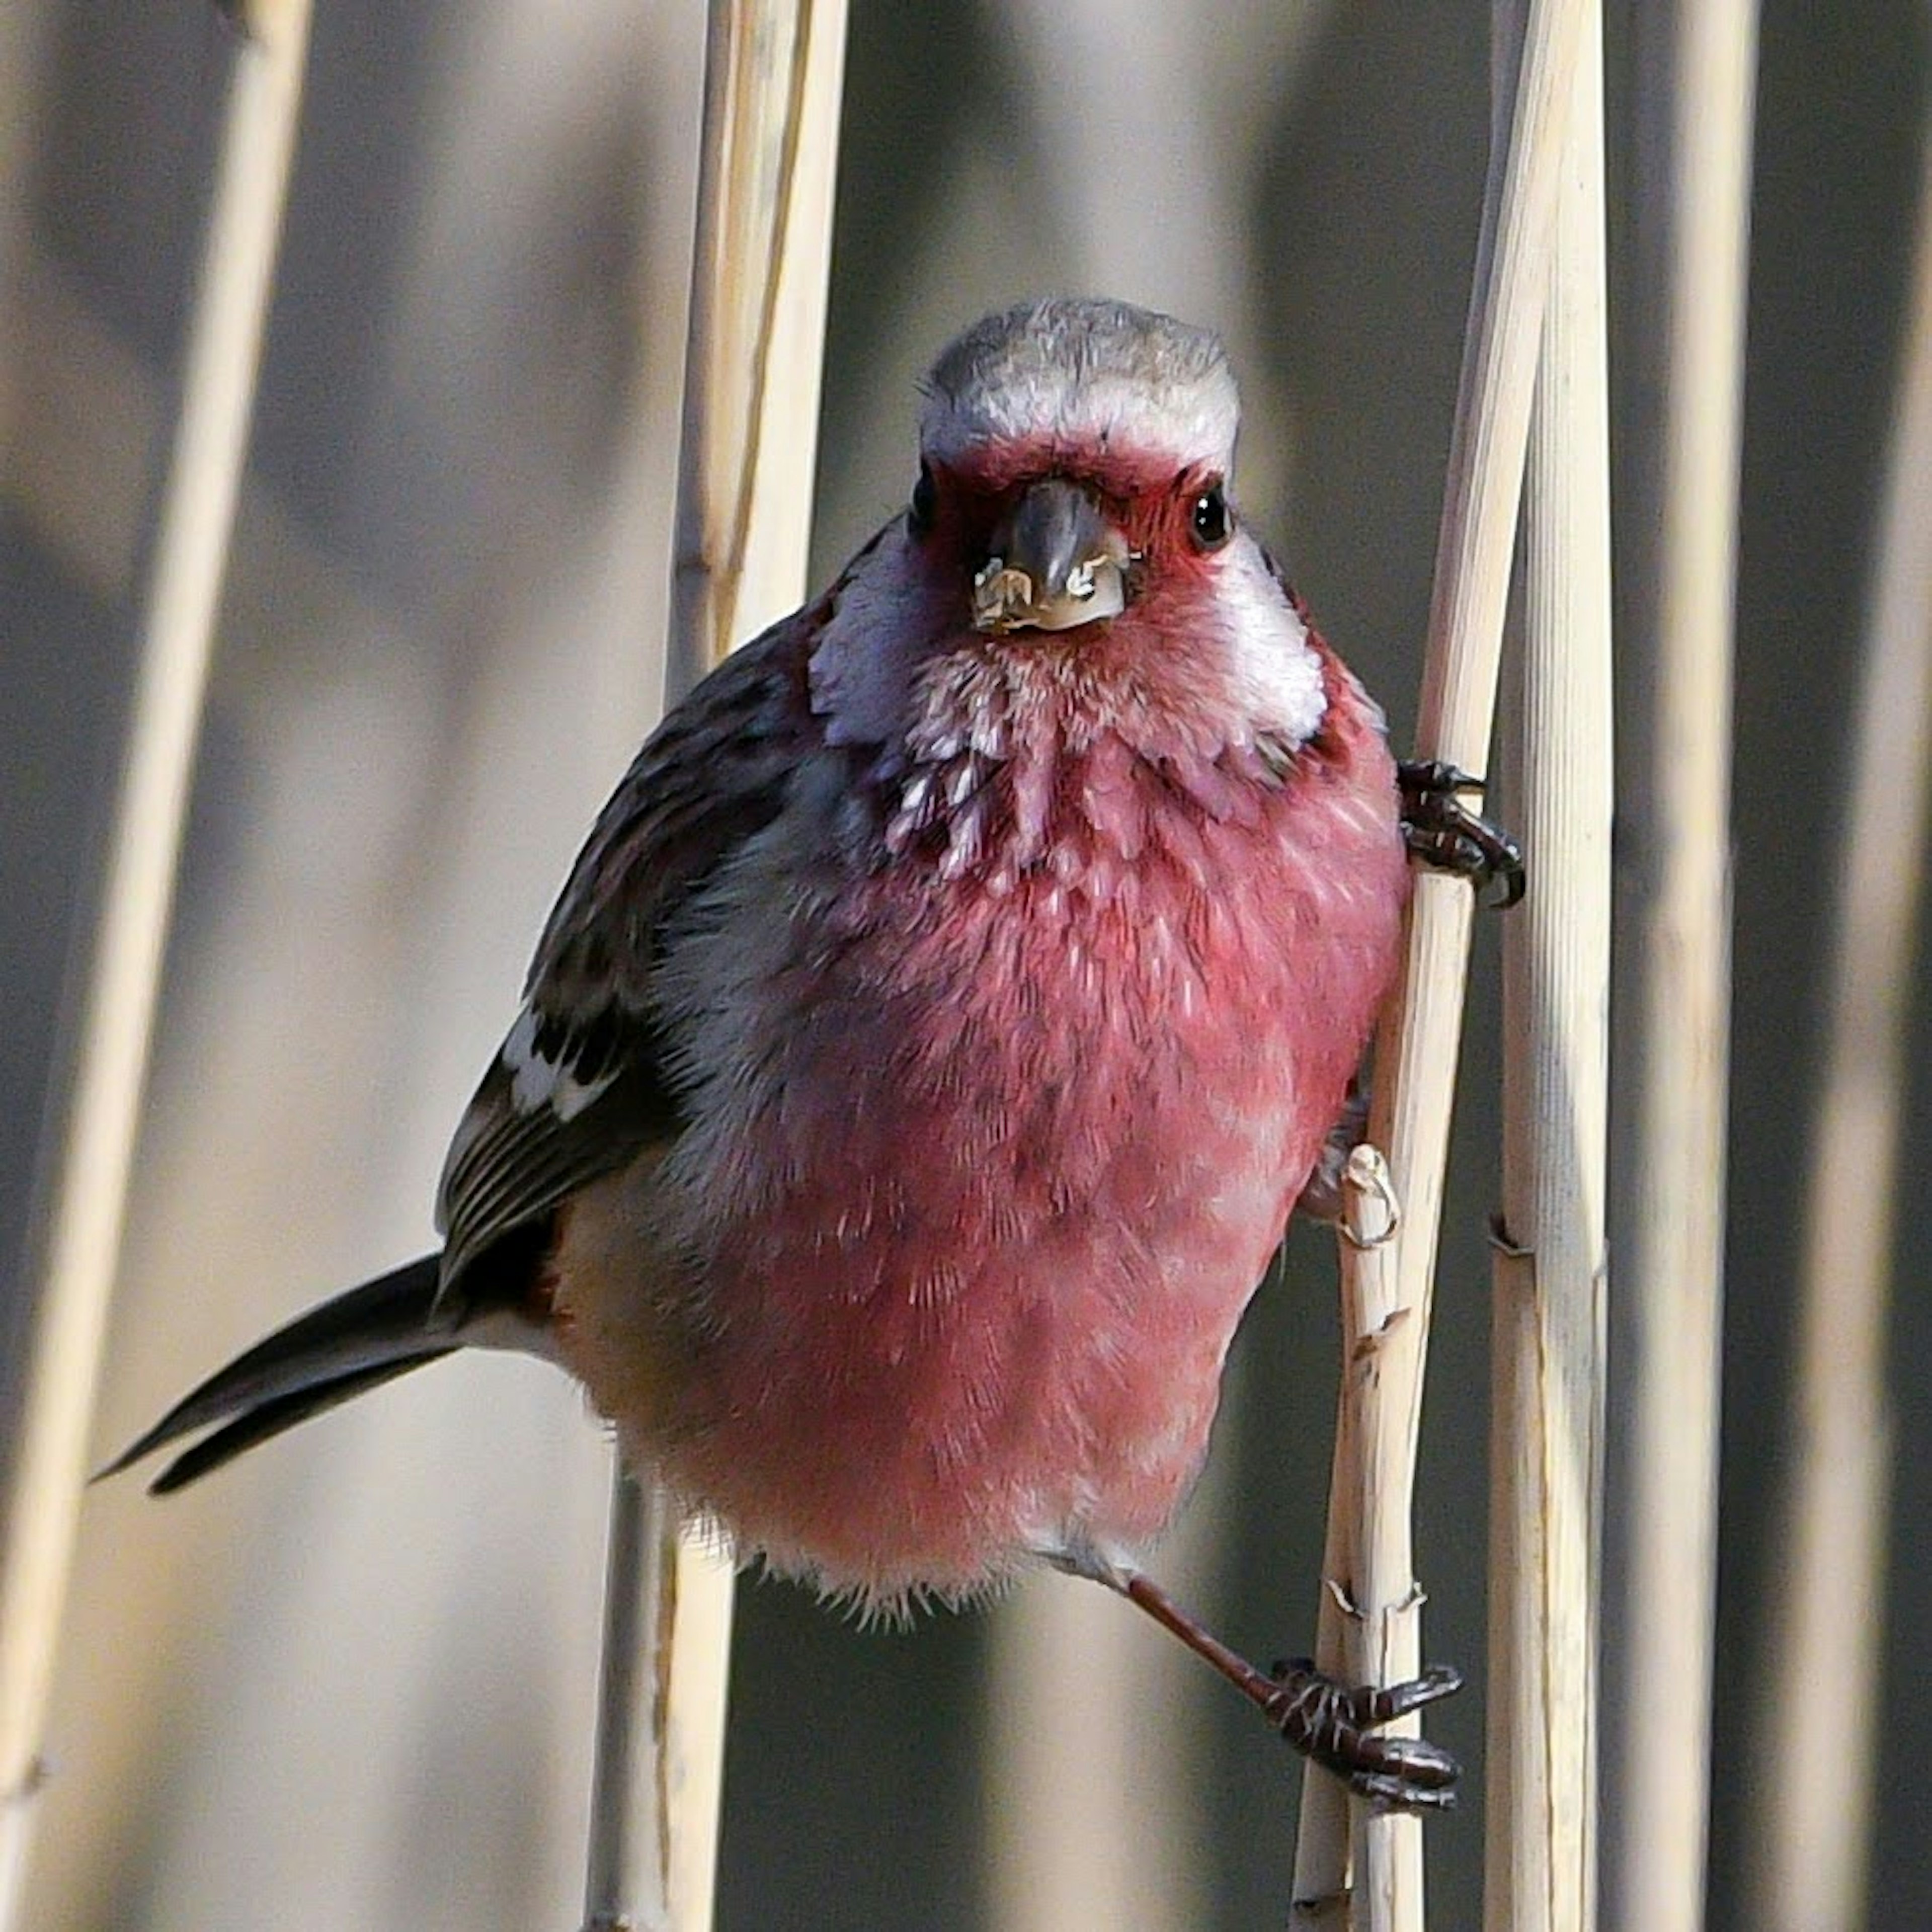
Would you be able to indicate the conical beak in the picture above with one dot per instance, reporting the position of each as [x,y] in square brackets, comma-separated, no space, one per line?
[1056,563]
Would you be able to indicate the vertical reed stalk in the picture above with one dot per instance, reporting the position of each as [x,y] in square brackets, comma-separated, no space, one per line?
[1546,1416]
[772,74]
[1694,114]
[50,1397]
[1811,1833]
[1416,1049]
[1381,1627]
[1323,1842]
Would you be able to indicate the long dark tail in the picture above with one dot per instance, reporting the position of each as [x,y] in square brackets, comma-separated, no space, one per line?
[357,1341]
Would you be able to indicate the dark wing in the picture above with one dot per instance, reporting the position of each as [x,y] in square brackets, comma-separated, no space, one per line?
[579,1087]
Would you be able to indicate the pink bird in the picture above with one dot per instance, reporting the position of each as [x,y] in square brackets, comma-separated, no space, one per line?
[939,1026]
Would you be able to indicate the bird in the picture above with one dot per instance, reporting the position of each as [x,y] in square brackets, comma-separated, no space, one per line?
[947,1010]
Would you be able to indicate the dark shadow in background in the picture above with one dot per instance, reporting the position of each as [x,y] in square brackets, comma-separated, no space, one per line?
[116,196]
[1841,112]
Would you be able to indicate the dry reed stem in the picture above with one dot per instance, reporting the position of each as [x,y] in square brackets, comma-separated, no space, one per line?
[1811,1833]
[1694,121]
[51,1403]
[1350,1867]
[1381,1642]
[1417,1046]
[1416,1050]
[1323,1842]
[773,70]
[1546,1416]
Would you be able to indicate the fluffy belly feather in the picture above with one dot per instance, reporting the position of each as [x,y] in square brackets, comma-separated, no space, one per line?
[967,1232]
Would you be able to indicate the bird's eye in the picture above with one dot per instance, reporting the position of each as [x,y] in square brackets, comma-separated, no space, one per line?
[1212,521]
[925,505]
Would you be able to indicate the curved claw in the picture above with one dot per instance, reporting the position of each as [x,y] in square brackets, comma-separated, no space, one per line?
[1444,833]
[1379,1704]
[1395,1794]
[1334,1724]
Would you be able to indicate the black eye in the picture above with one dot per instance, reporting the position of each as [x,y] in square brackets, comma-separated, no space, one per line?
[1212,521]
[924,504]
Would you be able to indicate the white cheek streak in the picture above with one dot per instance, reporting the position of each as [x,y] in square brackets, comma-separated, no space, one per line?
[1277,673]
[535,1081]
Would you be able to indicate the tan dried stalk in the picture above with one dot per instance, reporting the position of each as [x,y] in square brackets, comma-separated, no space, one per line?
[50,1404]
[1693,114]
[773,70]
[1811,1834]
[1547,1409]
[1416,1049]
[1381,1628]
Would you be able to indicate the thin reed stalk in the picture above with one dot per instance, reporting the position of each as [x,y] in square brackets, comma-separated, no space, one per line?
[1811,1833]
[1547,1410]
[1323,1842]
[773,70]
[1417,1050]
[50,1397]
[1694,116]
[1382,1643]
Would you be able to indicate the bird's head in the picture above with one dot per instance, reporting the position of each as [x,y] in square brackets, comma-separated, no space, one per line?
[1072,518]
[1073,455]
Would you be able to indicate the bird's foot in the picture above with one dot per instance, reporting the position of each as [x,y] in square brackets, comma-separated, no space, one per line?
[1334,1723]
[1446,834]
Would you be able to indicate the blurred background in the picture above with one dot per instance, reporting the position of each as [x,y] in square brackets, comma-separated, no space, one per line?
[349,1683]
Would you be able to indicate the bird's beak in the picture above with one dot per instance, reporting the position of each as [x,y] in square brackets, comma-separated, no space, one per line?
[1056,563]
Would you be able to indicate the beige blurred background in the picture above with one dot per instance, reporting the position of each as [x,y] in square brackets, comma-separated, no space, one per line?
[348,1685]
